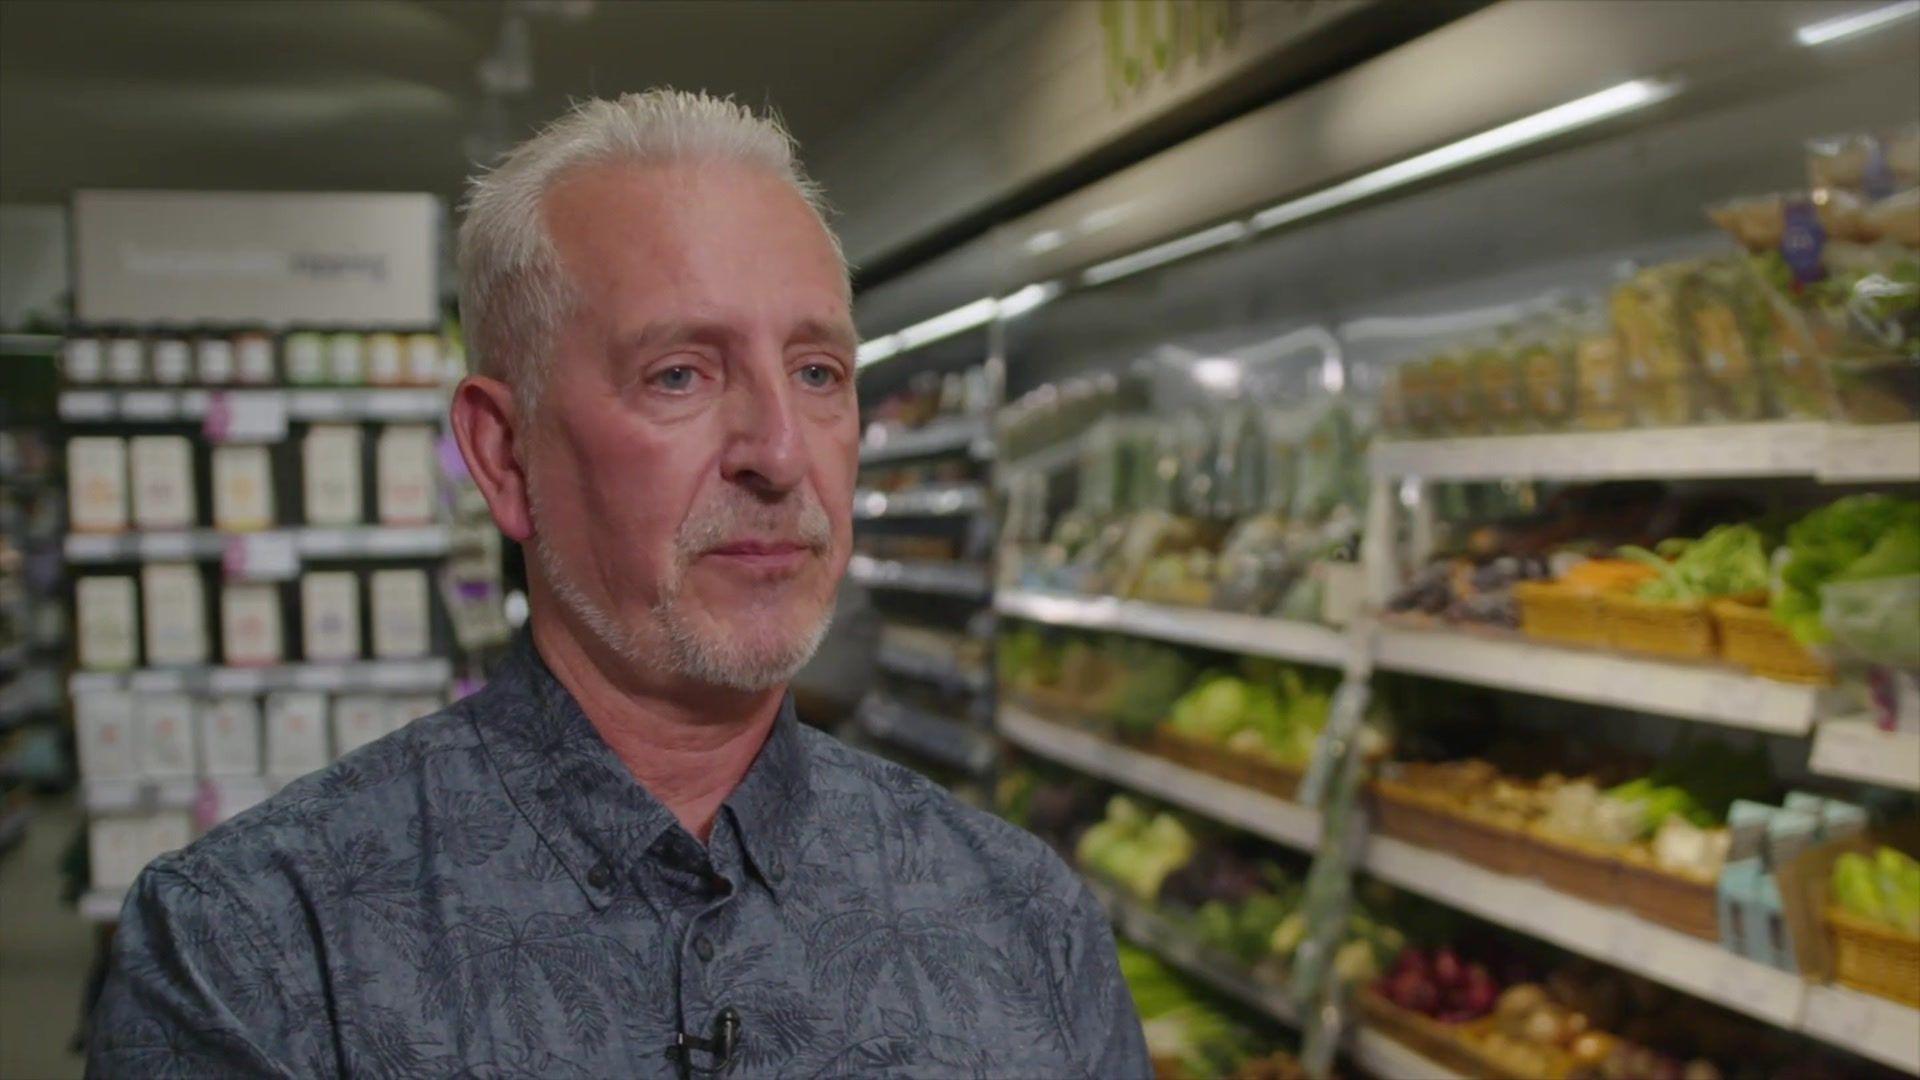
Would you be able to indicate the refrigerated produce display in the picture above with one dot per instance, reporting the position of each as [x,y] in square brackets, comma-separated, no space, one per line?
[1467,611]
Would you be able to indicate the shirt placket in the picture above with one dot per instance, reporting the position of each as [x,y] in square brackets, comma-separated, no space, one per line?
[702,883]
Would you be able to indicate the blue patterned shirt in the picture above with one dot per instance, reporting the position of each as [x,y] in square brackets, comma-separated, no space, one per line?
[489,893]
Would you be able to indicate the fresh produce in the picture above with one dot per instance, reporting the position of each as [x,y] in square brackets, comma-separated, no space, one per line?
[1271,712]
[1153,676]
[1727,561]
[1858,538]
[1882,888]
[1134,849]
[1440,984]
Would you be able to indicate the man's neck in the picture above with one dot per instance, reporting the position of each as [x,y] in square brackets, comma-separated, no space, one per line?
[689,746]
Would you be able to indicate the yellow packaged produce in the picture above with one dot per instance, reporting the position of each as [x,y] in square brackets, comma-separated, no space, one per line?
[1601,400]
[1415,380]
[1546,368]
[1724,317]
[1646,318]
[1500,387]
[1455,408]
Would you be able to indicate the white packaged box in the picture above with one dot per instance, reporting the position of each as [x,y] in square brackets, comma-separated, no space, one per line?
[423,359]
[162,468]
[230,736]
[346,358]
[242,488]
[169,831]
[174,613]
[384,364]
[400,614]
[404,466]
[103,722]
[330,461]
[166,726]
[214,361]
[108,629]
[118,848]
[97,484]
[330,616]
[250,625]
[296,733]
[358,719]
[407,708]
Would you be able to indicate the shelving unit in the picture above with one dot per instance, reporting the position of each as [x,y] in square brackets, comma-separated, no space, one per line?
[933,669]
[1854,749]
[1303,642]
[950,743]
[155,406]
[371,675]
[308,542]
[937,500]
[962,580]
[960,433]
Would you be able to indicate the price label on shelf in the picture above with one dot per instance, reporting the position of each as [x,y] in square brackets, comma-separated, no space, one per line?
[1754,989]
[323,677]
[166,546]
[246,416]
[86,405]
[1847,1019]
[263,556]
[147,405]
[231,680]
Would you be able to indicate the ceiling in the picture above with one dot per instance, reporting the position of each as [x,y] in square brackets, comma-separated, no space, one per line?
[385,94]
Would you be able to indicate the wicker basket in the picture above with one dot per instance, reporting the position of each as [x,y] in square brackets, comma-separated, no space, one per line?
[1686,904]
[1554,612]
[1405,813]
[1677,631]
[1488,842]
[1874,958]
[1244,769]
[1578,869]
[1751,637]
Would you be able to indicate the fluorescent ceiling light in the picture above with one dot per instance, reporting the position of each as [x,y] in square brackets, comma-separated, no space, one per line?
[1044,241]
[876,350]
[1859,22]
[1147,259]
[1530,129]
[1217,373]
[1018,303]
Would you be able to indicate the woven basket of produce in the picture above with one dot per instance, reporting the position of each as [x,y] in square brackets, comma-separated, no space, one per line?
[1678,901]
[1680,631]
[1554,611]
[1489,841]
[1405,813]
[1248,770]
[1873,957]
[1572,867]
[1751,637]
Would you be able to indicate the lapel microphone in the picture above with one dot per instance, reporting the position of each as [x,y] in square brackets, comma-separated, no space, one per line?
[726,1038]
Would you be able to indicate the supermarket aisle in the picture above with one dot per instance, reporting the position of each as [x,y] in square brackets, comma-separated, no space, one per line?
[45,952]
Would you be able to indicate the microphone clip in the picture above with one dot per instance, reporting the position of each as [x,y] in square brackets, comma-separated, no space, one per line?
[725,1040]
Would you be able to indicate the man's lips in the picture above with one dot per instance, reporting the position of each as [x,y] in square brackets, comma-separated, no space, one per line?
[763,556]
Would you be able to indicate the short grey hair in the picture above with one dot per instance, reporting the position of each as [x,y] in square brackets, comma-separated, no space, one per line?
[513,291]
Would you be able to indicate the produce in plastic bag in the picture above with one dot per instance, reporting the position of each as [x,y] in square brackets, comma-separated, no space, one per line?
[1653,342]
[1877,620]
[1858,538]
[1724,314]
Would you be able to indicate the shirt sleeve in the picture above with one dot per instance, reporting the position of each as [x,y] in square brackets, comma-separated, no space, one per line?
[196,987]
[1106,1024]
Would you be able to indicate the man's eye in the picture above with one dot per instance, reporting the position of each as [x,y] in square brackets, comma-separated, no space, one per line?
[819,376]
[674,378]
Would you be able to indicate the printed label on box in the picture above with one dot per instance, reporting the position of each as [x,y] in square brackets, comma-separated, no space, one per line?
[162,468]
[103,732]
[242,488]
[400,614]
[405,469]
[358,719]
[330,616]
[296,733]
[97,484]
[166,735]
[250,624]
[331,459]
[230,736]
[174,610]
[107,629]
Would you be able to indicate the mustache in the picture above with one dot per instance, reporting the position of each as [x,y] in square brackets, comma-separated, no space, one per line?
[736,516]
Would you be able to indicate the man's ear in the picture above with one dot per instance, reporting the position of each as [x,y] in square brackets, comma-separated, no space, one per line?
[490,430]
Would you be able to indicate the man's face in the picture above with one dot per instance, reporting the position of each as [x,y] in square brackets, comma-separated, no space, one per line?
[693,453]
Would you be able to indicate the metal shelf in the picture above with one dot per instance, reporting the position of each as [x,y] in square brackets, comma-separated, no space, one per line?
[308,542]
[940,670]
[952,743]
[951,435]
[1857,750]
[965,580]
[399,676]
[1251,634]
[1840,453]
[939,500]
[170,406]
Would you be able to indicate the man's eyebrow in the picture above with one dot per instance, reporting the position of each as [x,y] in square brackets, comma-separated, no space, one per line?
[835,332]
[666,332]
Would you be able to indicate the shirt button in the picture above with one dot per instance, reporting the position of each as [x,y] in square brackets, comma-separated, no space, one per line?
[776,870]
[719,884]
[703,947]
[600,876]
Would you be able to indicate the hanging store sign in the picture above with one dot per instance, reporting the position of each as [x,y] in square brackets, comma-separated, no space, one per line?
[367,260]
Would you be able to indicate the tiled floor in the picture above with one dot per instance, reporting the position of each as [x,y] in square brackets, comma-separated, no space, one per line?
[45,952]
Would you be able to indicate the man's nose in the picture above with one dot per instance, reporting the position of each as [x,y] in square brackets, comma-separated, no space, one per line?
[765,449]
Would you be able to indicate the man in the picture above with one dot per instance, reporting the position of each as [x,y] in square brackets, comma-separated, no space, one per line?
[625,856]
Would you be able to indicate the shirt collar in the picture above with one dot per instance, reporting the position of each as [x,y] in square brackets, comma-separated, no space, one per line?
[585,804]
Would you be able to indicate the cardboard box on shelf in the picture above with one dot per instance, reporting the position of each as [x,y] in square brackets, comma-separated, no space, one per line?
[358,719]
[230,736]
[405,465]
[166,727]
[401,629]
[296,733]
[330,460]
[250,625]
[406,708]
[162,468]
[242,488]
[103,722]
[330,616]
[174,614]
[117,849]
[108,628]
[97,484]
